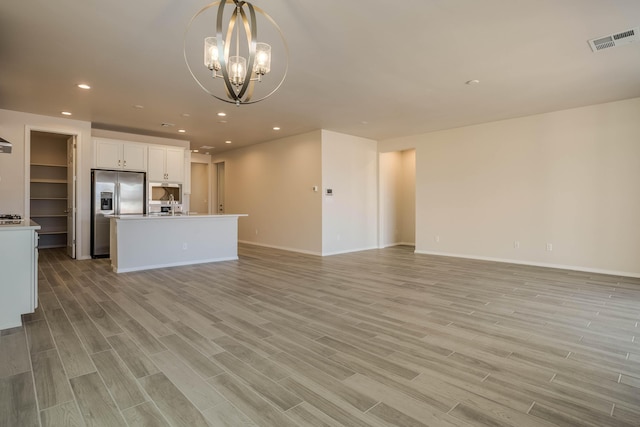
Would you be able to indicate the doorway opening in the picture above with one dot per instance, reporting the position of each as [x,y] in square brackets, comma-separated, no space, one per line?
[52,188]
[200,193]
[397,198]
[220,206]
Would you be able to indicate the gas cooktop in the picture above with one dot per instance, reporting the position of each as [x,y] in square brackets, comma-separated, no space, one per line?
[10,219]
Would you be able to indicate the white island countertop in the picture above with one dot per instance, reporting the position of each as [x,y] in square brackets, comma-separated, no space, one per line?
[142,242]
[179,216]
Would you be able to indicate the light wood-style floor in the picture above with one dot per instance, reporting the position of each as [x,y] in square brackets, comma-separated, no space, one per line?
[375,338]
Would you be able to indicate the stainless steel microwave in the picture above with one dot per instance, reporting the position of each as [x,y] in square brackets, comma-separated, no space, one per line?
[161,193]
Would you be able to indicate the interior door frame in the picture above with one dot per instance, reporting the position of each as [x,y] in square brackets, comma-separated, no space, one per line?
[385,223]
[27,169]
[220,187]
[208,165]
[72,190]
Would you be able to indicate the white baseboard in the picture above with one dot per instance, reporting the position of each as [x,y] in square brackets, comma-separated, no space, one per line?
[283,248]
[389,245]
[302,251]
[9,325]
[172,264]
[480,258]
[535,264]
[349,251]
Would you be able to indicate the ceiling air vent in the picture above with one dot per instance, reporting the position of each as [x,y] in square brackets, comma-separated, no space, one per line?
[615,40]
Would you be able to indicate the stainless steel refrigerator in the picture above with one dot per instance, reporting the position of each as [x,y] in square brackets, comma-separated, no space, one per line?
[113,193]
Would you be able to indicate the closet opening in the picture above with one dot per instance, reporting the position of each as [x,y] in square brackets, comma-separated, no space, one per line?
[52,188]
[397,198]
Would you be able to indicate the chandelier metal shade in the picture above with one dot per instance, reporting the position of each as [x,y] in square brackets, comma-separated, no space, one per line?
[234,54]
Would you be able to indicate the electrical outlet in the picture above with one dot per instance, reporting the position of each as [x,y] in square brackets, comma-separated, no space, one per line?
[549,247]
[184,246]
[516,244]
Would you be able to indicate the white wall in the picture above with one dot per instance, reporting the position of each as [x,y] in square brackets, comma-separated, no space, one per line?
[14,127]
[272,182]
[350,169]
[569,178]
[200,158]
[146,139]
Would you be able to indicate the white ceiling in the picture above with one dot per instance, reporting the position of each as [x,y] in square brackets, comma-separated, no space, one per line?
[370,68]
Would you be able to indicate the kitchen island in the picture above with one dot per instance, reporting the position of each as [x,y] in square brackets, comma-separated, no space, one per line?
[144,242]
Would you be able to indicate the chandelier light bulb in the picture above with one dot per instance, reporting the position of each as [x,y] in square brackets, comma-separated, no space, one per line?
[237,70]
[211,56]
[263,59]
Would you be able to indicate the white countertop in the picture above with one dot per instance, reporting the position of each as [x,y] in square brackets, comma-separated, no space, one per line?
[165,217]
[27,224]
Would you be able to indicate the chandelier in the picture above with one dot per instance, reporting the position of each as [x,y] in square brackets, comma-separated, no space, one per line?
[234,54]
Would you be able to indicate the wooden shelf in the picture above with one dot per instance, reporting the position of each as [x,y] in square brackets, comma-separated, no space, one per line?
[47,215]
[48,198]
[50,181]
[52,232]
[48,165]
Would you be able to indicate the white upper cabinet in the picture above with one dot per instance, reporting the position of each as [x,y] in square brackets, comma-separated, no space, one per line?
[134,156]
[157,158]
[175,164]
[166,164]
[114,154]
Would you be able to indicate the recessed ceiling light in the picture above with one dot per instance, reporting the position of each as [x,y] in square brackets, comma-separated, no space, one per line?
[206,147]
[227,142]
[222,121]
[472,82]
[222,114]
[166,125]
[194,151]
[206,152]
[364,122]
[138,106]
[84,86]
[276,128]
[186,115]
[66,113]
[181,130]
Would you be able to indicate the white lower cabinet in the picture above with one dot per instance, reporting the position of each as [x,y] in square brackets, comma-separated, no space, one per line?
[19,267]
